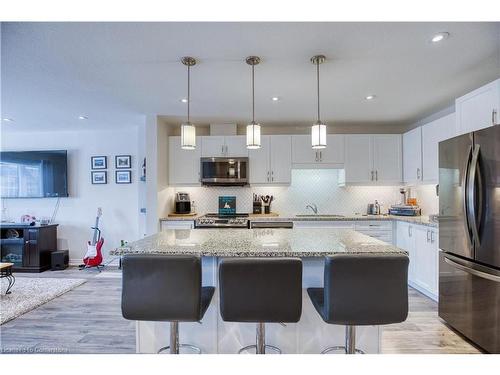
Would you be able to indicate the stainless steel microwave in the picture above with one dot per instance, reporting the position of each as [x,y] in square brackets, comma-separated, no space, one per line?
[224,171]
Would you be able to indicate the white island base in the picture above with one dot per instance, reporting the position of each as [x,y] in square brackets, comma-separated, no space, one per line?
[311,335]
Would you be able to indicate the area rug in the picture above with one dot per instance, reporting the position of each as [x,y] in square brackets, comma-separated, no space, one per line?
[30,292]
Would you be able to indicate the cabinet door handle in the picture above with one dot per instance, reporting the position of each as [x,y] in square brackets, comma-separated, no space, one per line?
[494,117]
[428,239]
[316,156]
[372,175]
[418,173]
[432,236]
[267,176]
[410,232]
[376,175]
[321,156]
[272,176]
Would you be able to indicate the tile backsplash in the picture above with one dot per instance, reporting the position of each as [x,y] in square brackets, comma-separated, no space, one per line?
[319,186]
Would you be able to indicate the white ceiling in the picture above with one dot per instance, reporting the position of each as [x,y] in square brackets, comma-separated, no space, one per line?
[115,73]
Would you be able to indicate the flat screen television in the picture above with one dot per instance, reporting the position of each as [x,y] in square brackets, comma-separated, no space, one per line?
[33,174]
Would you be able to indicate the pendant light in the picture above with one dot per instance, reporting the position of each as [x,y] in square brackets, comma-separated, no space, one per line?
[253,129]
[318,130]
[188,130]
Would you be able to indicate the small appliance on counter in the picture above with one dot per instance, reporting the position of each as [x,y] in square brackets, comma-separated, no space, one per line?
[373,208]
[182,203]
[405,210]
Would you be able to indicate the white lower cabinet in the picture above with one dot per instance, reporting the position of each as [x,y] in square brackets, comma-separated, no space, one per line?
[381,230]
[421,244]
[177,224]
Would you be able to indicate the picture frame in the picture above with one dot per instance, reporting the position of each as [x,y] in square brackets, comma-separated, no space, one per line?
[123,161]
[98,162]
[99,177]
[123,177]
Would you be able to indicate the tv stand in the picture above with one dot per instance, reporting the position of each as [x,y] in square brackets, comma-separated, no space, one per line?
[30,251]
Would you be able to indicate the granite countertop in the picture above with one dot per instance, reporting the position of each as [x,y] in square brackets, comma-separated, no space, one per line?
[258,242]
[418,220]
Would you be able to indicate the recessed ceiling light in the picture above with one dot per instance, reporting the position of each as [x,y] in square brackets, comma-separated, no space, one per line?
[6,119]
[275,98]
[83,118]
[184,100]
[440,37]
[370,97]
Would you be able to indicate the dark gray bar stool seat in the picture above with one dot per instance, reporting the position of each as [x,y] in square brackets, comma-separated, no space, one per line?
[364,289]
[261,290]
[164,288]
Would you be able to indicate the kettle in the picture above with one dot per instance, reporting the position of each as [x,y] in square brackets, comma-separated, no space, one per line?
[373,208]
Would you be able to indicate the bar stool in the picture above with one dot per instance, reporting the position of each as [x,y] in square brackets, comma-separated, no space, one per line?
[164,288]
[364,289]
[261,290]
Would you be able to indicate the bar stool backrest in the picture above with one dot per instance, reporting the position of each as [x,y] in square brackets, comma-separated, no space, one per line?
[366,289]
[161,287]
[257,290]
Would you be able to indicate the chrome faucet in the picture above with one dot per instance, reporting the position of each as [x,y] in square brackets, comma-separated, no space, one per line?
[313,207]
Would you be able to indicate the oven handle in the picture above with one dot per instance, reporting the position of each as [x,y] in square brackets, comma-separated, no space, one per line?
[472,271]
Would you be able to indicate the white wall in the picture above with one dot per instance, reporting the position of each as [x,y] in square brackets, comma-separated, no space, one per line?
[120,203]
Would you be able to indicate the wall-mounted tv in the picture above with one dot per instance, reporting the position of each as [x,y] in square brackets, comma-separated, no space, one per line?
[33,174]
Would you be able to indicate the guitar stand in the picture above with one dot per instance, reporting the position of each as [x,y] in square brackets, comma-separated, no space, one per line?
[85,267]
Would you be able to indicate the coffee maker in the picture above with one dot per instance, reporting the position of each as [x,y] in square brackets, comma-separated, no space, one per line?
[182,203]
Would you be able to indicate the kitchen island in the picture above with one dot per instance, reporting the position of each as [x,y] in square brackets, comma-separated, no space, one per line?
[309,335]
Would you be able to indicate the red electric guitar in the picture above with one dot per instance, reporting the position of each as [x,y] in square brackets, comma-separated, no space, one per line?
[93,257]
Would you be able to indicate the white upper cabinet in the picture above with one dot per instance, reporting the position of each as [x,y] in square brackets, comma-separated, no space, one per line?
[387,163]
[213,146]
[272,163]
[183,165]
[372,159]
[433,133]
[236,146]
[358,159]
[281,159]
[412,156]
[478,109]
[304,156]
[224,146]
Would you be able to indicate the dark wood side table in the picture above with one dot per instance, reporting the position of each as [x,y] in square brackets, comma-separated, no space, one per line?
[6,271]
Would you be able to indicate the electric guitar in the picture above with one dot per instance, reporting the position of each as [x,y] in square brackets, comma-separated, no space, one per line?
[93,257]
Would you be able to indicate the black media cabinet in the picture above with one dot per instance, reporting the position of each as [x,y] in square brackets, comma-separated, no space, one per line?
[31,250]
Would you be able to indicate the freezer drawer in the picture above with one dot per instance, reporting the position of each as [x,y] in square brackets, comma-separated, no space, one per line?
[469,300]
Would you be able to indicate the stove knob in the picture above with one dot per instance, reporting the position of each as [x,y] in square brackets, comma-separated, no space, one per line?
[212,221]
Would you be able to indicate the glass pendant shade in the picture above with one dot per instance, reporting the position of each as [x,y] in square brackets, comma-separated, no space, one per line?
[318,135]
[253,136]
[188,136]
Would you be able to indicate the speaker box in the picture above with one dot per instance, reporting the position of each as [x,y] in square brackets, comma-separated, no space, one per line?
[59,260]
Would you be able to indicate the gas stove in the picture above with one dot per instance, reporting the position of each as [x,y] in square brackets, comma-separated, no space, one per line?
[222,221]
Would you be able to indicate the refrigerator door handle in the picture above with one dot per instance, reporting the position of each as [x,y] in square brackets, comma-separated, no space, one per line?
[472,271]
[471,195]
[464,183]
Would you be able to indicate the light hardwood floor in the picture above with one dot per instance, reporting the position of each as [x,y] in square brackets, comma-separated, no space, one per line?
[88,319]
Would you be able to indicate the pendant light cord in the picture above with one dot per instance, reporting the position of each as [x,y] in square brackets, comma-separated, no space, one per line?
[317,78]
[253,95]
[189,93]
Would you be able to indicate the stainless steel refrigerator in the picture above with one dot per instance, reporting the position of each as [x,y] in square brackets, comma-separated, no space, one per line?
[469,236]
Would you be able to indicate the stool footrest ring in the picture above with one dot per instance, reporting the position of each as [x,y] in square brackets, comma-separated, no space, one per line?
[276,349]
[333,348]
[192,347]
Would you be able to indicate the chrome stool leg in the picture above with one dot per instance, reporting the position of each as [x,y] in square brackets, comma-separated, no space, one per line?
[174,346]
[260,342]
[350,343]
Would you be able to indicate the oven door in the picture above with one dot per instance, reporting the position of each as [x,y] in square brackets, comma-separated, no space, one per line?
[469,300]
[224,171]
